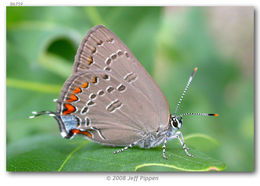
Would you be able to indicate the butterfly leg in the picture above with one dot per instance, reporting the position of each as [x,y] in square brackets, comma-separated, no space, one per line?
[181,139]
[164,148]
[126,147]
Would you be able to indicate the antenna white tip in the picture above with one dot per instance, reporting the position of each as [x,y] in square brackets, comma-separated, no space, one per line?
[31,117]
[55,100]
[34,112]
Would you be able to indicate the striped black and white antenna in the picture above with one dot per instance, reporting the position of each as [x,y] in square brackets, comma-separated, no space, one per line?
[182,96]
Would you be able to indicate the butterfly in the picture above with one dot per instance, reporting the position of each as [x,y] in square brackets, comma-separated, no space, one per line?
[112,100]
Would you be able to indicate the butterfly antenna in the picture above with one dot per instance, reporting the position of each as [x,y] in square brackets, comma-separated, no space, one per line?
[185,90]
[197,114]
[36,114]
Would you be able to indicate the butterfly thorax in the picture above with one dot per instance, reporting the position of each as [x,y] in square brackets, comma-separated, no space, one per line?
[157,138]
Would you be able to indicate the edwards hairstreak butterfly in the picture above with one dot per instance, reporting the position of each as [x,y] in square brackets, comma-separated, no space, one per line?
[111,99]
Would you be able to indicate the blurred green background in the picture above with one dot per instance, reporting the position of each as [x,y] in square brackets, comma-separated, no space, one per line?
[168,41]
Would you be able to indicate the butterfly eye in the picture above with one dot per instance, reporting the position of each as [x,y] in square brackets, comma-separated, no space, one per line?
[174,122]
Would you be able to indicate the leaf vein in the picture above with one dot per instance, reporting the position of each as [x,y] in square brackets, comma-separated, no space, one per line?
[71,154]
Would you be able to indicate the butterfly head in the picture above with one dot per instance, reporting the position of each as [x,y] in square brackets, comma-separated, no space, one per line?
[176,122]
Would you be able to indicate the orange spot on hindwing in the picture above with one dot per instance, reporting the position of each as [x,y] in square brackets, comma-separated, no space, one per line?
[75,131]
[84,85]
[68,109]
[72,98]
[94,79]
[86,133]
[76,90]
[90,60]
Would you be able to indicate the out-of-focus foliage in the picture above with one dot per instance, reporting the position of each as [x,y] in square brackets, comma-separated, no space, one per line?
[168,41]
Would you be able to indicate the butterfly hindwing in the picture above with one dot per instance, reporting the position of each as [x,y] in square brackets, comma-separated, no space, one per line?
[101,101]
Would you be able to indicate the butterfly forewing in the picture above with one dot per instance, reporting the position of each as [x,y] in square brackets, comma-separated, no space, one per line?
[125,103]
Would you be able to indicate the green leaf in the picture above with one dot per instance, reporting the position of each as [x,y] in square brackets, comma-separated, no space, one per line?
[202,142]
[49,153]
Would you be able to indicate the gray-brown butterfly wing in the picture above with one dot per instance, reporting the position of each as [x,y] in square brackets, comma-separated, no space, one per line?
[101,49]
[136,106]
